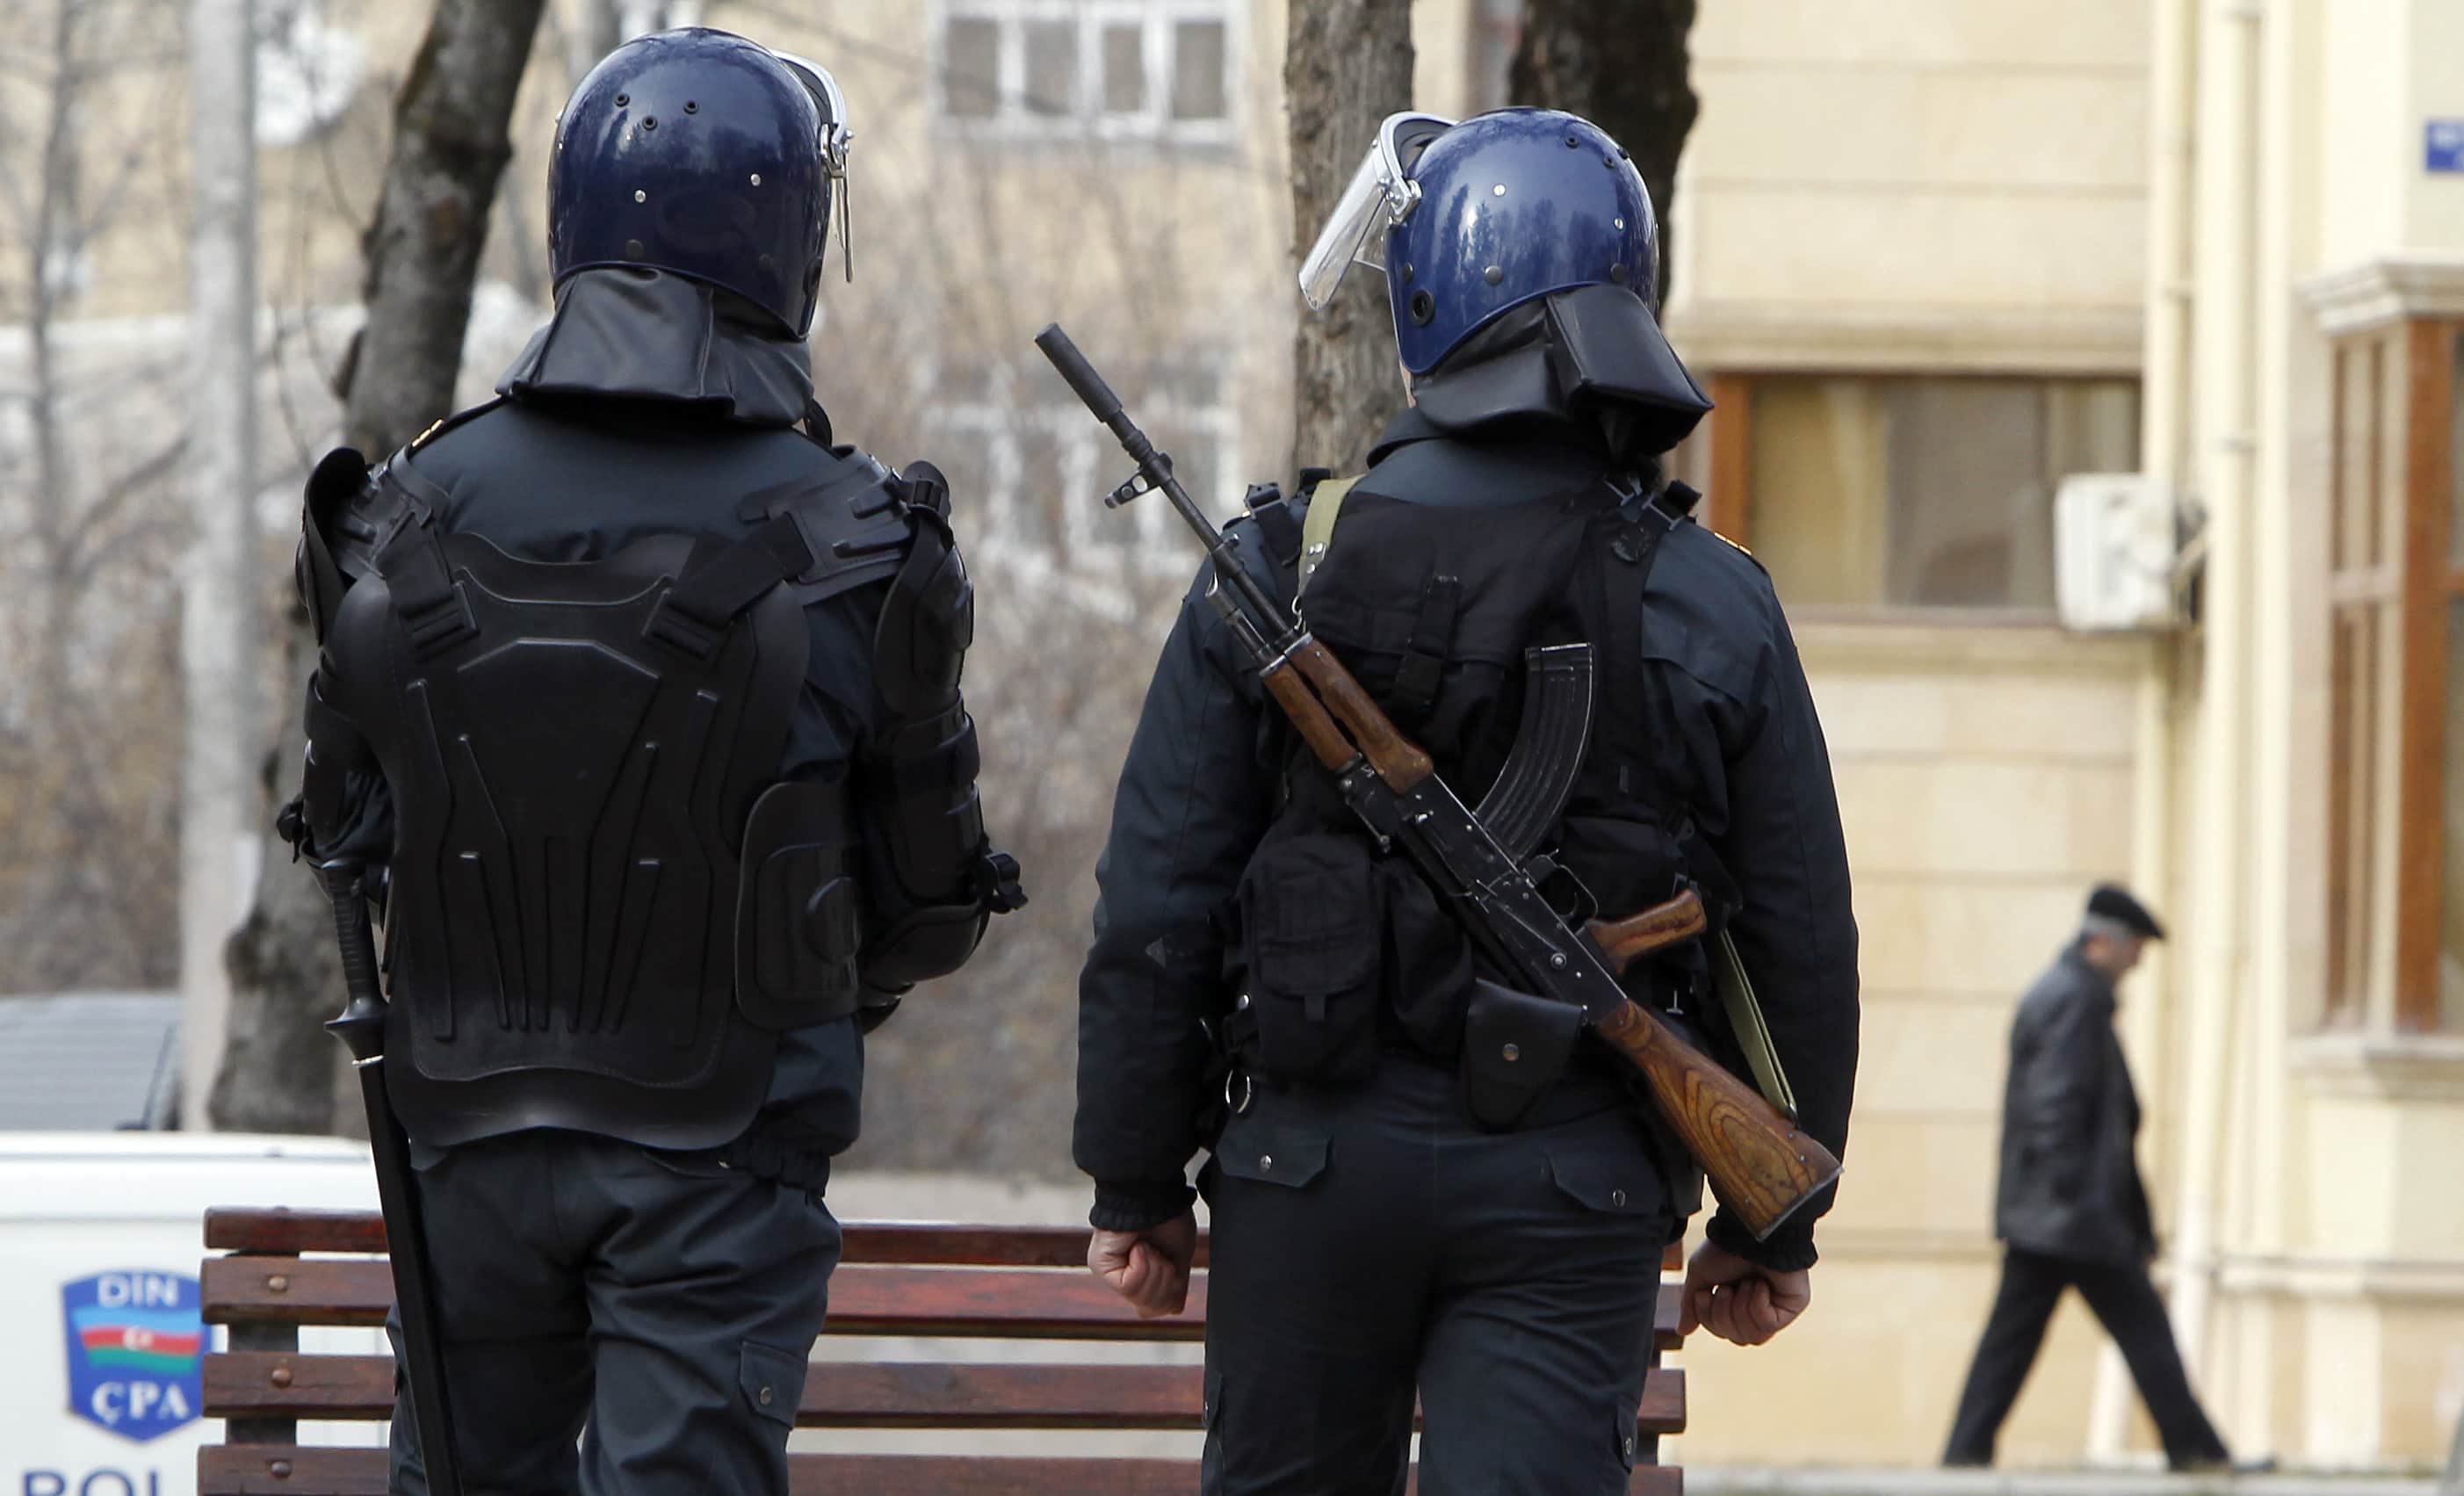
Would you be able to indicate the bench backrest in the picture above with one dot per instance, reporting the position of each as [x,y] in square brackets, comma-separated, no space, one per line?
[894,1279]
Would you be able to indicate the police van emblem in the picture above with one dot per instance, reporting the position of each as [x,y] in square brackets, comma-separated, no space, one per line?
[136,1351]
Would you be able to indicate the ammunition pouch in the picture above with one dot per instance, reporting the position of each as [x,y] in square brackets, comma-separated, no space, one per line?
[1313,907]
[1515,1046]
[797,909]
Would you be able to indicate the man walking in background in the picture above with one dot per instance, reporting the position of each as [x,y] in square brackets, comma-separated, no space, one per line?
[2071,1208]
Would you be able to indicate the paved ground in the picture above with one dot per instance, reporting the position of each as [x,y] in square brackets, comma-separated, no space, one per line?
[1713,1481]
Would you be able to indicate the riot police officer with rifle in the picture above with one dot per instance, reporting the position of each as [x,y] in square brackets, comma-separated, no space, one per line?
[638,707]
[1418,1039]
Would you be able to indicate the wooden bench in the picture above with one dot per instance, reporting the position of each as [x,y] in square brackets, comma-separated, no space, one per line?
[278,1274]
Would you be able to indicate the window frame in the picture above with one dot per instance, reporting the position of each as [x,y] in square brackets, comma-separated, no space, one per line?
[1153,122]
[1722,448]
[2386,871]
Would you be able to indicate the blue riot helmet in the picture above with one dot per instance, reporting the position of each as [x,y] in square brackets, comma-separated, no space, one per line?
[704,155]
[1516,217]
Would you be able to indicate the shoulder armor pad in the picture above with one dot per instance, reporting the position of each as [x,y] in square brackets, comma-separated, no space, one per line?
[338,477]
[855,520]
[389,495]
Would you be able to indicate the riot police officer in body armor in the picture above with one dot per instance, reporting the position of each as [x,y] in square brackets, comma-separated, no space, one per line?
[649,701]
[1395,1211]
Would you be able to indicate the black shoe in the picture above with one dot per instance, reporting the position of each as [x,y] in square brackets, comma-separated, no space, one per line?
[2226,1464]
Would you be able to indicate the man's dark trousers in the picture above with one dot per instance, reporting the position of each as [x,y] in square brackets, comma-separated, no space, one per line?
[2128,1306]
[1372,1240]
[664,1302]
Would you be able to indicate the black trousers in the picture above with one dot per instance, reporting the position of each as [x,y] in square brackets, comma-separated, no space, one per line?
[2125,1303]
[658,1307]
[1374,1242]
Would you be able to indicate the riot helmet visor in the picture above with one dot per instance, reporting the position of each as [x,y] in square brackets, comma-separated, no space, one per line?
[837,138]
[1381,196]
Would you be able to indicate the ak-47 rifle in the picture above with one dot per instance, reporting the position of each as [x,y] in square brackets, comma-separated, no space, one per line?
[1759,1162]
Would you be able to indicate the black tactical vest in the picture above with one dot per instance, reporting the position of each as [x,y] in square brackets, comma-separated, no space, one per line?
[605,905]
[1433,609]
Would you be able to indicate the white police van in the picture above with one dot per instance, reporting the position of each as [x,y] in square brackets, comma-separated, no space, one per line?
[101,1343]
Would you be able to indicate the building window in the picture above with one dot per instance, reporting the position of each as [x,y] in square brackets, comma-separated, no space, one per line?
[1910,491]
[2396,598]
[1160,70]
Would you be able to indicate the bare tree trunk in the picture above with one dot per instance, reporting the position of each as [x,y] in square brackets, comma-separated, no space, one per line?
[219,601]
[450,147]
[45,273]
[1347,65]
[1622,67]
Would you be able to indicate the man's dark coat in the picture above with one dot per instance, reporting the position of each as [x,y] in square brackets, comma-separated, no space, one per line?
[2070,1122]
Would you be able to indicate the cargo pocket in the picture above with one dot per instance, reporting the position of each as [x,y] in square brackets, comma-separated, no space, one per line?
[1270,1152]
[1210,1469]
[1310,918]
[1610,1184]
[773,1381]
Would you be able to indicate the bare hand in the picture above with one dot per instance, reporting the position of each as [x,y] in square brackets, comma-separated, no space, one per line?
[1150,1267]
[1738,1301]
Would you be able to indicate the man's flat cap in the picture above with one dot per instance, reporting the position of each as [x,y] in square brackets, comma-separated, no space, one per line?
[2112,901]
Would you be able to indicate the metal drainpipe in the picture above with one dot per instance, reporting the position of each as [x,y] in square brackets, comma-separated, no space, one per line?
[2225,395]
[2172,133]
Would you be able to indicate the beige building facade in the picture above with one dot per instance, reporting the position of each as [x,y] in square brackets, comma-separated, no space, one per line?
[1933,256]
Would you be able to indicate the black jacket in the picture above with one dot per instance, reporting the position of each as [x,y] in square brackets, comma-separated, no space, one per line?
[1202,782]
[2070,1183]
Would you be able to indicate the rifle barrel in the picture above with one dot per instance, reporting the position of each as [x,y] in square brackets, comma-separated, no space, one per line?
[1156,467]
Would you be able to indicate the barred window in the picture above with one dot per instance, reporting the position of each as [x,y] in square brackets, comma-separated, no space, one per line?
[1152,70]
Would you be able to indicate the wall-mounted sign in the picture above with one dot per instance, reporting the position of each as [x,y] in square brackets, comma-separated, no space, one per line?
[2443,145]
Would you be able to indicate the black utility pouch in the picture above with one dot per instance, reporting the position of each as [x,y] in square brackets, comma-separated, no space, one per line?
[1515,1047]
[1311,921]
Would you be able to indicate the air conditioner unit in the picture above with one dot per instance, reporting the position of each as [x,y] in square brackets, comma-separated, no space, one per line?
[2116,540]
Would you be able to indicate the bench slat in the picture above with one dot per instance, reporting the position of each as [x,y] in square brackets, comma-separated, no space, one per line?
[837,1394]
[960,1302]
[361,1472]
[1003,1303]
[915,1243]
[906,1242]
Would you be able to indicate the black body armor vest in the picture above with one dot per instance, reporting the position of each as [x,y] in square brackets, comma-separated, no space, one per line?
[605,904]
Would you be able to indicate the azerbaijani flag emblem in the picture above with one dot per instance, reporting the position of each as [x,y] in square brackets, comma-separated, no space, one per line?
[135,1348]
[163,1342]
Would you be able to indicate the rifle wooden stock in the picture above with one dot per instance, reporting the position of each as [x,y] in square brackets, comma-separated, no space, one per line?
[1761,1166]
[1625,941]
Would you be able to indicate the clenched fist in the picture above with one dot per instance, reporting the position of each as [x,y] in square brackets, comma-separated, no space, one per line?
[1150,1267]
[1739,1302]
